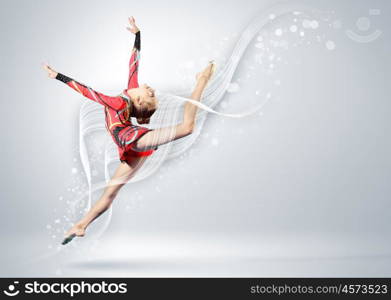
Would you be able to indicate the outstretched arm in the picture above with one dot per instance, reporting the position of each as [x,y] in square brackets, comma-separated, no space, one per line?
[135,55]
[116,103]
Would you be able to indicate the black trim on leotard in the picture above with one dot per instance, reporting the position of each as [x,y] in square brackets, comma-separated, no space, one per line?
[137,41]
[63,78]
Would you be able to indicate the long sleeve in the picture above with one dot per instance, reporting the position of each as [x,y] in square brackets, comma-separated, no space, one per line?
[134,62]
[115,103]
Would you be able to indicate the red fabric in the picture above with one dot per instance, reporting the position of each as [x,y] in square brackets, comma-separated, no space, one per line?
[124,133]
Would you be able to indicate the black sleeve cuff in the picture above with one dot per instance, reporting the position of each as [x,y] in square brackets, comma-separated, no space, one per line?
[137,41]
[63,78]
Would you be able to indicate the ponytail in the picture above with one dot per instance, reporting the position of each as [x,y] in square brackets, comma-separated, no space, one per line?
[143,120]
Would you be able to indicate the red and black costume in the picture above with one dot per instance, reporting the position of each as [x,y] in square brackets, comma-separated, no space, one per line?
[118,122]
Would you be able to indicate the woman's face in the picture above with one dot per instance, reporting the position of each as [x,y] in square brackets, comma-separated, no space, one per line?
[145,102]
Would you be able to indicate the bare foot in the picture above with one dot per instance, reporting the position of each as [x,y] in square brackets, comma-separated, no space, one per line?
[75,231]
[207,72]
[51,72]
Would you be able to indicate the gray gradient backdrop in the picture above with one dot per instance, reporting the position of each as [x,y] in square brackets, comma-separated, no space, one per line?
[301,191]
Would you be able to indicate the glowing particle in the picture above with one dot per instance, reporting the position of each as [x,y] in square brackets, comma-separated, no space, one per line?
[278,32]
[314,24]
[272,16]
[330,45]
[259,45]
[233,87]
[215,142]
[293,28]
[301,33]
[268,95]
[259,38]
[74,170]
[258,92]
[57,221]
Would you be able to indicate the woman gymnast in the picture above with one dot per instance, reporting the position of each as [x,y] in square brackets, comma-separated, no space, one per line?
[135,143]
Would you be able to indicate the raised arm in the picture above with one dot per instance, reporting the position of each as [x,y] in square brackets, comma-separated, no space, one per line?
[135,55]
[116,103]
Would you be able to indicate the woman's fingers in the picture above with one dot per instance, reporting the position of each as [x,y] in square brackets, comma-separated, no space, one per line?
[132,21]
[133,27]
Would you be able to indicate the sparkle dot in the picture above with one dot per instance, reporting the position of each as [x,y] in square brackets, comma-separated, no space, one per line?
[314,24]
[330,45]
[278,32]
[215,142]
[301,33]
[293,28]
[74,170]
[272,16]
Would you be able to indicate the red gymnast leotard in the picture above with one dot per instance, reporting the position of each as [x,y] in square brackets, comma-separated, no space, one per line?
[118,122]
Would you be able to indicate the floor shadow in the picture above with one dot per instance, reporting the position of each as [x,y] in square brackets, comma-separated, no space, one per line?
[135,264]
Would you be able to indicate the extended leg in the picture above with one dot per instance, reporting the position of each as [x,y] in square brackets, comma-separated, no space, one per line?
[121,176]
[164,135]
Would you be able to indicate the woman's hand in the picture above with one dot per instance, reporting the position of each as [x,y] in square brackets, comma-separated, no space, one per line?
[133,27]
[51,72]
